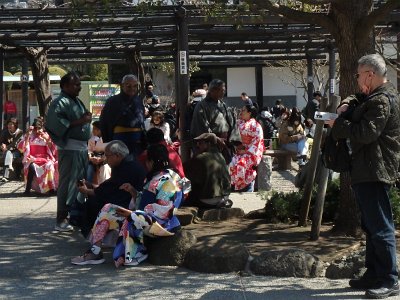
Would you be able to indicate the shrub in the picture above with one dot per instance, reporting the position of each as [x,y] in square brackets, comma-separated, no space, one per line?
[285,207]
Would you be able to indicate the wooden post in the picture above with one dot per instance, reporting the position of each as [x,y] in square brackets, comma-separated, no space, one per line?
[25,96]
[310,78]
[398,62]
[305,207]
[324,173]
[259,86]
[183,93]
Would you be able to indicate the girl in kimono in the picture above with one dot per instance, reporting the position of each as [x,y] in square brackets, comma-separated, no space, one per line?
[243,167]
[152,213]
[40,163]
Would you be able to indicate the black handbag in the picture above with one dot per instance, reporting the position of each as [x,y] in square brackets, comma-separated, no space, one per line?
[336,154]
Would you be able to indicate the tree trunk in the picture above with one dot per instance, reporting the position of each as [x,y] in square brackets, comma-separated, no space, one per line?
[40,71]
[352,42]
[348,218]
[136,67]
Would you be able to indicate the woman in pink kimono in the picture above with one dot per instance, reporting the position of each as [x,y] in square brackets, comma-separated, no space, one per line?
[243,167]
[40,163]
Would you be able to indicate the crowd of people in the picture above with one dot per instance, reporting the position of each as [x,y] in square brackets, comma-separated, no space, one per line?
[146,180]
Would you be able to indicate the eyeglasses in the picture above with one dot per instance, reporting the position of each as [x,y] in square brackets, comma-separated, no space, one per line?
[359,74]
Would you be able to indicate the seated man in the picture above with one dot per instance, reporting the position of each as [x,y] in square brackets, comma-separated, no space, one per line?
[156,136]
[124,169]
[208,174]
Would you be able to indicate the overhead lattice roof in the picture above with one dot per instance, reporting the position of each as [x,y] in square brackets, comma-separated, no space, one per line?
[76,35]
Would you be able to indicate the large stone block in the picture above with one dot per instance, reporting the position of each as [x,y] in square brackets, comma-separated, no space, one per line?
[221,214]
[186,214]
[349,266]
[264,172]
[170,251]
[219,258]
[287,263]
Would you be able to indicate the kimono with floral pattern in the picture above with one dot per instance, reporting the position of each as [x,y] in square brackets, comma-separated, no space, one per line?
[39,150]
[161,196]
[243,166]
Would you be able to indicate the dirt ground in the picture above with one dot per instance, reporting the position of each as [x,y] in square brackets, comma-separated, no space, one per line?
[258,236]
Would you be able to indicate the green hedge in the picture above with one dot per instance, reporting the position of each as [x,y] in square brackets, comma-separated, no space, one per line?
[285,207]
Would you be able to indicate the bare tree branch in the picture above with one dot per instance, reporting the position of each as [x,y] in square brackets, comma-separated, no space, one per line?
[296,15]
[379,13]
[383,39]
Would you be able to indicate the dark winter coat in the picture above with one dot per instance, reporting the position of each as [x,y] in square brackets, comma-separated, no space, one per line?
[374,133]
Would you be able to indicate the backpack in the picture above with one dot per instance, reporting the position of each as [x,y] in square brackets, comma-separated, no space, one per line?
[336,154]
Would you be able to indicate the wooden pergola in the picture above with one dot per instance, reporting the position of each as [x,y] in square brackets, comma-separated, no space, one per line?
[134,35]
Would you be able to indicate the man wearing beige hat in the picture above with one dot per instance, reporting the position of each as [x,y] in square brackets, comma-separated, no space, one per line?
[208,174]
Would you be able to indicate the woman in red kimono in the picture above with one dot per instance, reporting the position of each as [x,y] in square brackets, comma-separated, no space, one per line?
[40,163]
[243,167]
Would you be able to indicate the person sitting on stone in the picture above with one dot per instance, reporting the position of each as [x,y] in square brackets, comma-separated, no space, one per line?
[124,169]
[9,139]
[152,214]
[208,174]
[156,136]
[243,167]
[292,137]
[40,160]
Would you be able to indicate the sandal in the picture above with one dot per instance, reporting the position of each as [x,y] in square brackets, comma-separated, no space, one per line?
[225,203]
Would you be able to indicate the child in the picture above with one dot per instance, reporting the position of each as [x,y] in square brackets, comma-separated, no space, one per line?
[98,170]
[157,120]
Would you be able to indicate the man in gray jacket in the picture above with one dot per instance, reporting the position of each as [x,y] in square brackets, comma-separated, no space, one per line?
[374,134]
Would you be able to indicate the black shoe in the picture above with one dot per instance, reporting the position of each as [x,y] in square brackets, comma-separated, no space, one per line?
[362,283]
[26,193]
[383,292]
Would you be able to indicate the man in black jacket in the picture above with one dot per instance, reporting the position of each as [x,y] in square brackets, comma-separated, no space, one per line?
[124,169]
[374,135]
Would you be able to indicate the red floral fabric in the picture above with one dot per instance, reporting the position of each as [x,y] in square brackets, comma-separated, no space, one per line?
[243,166]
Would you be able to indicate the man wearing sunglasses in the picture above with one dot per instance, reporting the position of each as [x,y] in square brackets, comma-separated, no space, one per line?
[374,134]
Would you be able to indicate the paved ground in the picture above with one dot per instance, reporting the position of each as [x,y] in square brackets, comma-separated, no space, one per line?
[34,264]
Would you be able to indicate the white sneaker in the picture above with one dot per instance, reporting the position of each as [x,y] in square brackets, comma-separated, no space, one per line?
[136,260]
[63,226]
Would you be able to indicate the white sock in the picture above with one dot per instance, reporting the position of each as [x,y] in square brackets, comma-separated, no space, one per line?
[95,249]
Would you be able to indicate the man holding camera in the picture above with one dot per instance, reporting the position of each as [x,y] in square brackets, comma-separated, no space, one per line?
[68,124]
